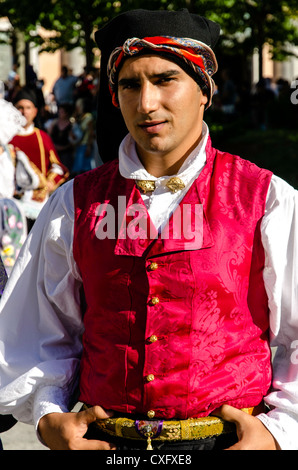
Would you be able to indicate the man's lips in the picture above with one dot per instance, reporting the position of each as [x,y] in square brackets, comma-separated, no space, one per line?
[152,127]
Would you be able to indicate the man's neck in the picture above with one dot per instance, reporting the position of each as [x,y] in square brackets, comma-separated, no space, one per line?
[165,165]
[28,129]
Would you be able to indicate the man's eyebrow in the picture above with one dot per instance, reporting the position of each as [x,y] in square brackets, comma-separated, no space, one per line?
[130,80]
[127,81]
[166,74]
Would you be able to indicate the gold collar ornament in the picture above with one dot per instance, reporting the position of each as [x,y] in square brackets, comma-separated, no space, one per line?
[146,186]
[175,184]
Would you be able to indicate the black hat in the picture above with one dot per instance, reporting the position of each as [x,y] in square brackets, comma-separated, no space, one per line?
[139,23]
[146,23]
[26,94]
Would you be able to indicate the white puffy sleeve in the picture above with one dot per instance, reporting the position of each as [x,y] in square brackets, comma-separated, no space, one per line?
[280,240]
[26,177]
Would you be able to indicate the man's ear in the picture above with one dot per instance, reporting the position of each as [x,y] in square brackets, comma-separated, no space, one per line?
[204,99]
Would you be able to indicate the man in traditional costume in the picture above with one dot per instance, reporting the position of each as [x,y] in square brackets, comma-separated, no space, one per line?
[40,149]
[166,324]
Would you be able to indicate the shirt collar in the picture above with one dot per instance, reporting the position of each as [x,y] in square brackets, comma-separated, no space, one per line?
[130,166]
[27,131]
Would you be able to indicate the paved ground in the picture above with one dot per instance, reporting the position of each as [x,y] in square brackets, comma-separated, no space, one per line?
[21,437]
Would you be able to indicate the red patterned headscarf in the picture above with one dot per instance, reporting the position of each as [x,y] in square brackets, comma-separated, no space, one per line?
[197,56]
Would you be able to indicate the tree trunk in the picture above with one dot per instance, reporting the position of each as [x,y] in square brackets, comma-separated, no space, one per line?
[89,43]
[260,21]
[27,58]
[260,50]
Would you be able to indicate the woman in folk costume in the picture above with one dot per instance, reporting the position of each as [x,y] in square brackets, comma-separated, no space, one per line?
[16,174]
[168,336]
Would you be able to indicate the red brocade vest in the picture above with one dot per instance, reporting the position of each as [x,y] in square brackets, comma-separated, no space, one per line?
[169,327]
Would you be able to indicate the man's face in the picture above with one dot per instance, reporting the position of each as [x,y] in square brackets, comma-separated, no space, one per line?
[28,110]
[162,107]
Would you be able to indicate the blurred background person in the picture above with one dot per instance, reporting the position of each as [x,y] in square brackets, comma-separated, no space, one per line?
[64,88]
[60,132]
[84,151]
[40,149]
[16,175]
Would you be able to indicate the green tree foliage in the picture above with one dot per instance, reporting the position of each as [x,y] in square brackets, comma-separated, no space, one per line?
[71,21]
[23,14]
[246,24]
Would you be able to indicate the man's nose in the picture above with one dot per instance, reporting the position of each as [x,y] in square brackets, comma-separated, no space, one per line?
[148,98]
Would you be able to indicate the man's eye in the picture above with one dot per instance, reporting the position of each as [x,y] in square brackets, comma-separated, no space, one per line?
[165,80]
[129,86]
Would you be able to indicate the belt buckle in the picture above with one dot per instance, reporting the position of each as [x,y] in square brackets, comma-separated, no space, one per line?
[148,430]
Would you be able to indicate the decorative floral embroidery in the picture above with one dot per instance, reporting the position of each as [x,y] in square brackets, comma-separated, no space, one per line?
[11,233]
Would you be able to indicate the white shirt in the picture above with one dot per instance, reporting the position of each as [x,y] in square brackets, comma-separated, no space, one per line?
[7,175]
[41,323]
[162,202]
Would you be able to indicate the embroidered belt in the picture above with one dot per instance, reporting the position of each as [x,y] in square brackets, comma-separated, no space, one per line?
[161,430]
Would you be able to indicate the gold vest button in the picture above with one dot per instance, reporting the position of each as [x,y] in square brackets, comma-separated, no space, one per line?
[154,300]
[150,377]
[150,414]
[153,266]
[153,338]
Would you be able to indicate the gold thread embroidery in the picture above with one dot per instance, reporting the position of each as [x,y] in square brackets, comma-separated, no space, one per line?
[42,152]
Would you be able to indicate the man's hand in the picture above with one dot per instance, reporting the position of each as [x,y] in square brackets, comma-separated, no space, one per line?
[65,431]
[50,186]
[252,434]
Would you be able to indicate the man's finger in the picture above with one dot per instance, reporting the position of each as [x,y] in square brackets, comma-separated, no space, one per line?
[92,414]
[228,413]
